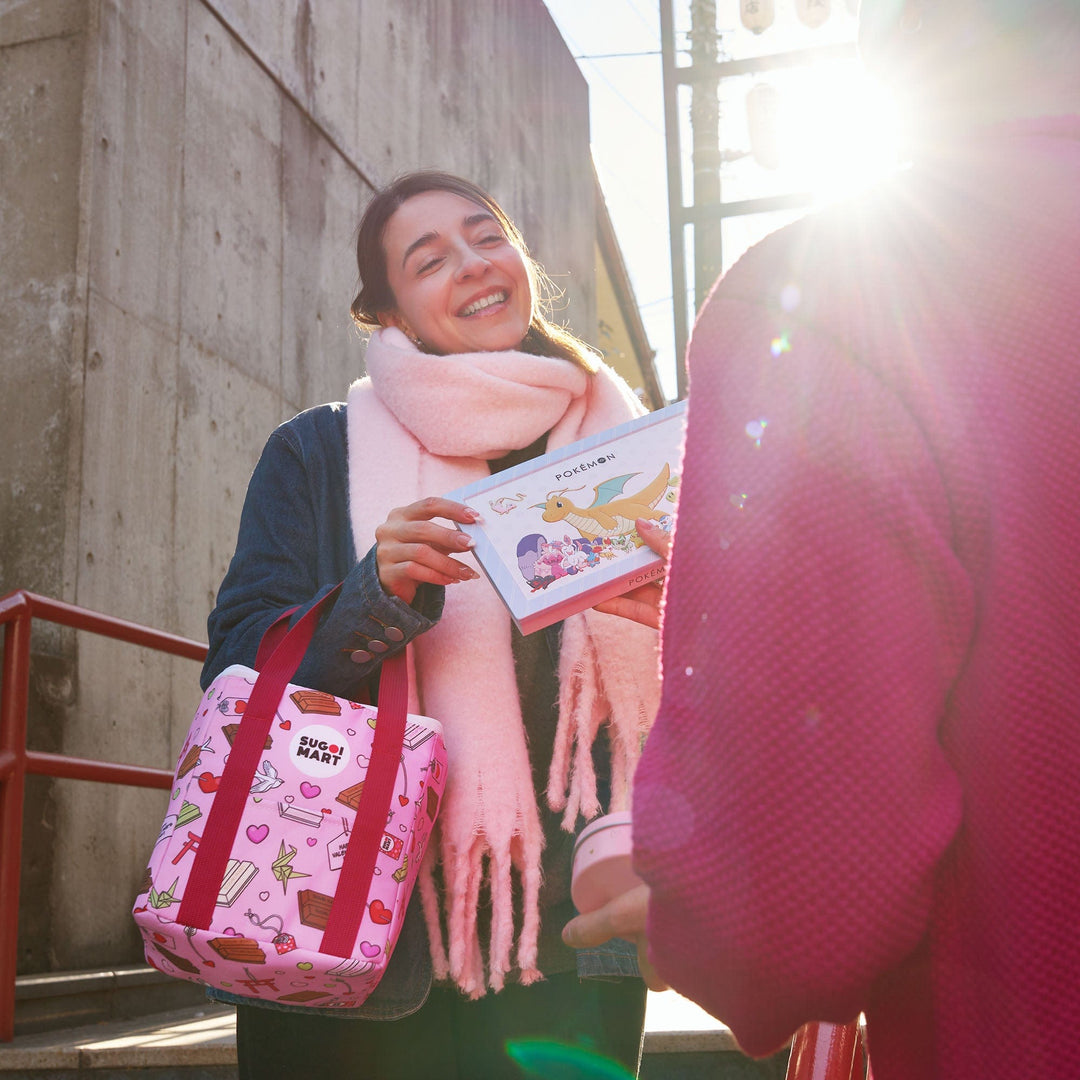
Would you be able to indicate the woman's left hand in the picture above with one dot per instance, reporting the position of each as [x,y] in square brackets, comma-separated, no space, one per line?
[643,603]
[624,917]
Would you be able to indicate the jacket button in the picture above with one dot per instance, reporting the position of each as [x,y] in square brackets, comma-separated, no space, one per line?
[392,633]
[361,656]
[377,646]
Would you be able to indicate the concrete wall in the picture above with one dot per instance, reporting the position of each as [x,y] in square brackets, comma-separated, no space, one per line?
[179,185]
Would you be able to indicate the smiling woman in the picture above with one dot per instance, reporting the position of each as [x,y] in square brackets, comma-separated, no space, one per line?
[466,376]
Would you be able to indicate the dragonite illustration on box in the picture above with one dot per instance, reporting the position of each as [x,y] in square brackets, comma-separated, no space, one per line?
[605,527]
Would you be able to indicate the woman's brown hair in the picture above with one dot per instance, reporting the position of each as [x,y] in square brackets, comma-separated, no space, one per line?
[543,338]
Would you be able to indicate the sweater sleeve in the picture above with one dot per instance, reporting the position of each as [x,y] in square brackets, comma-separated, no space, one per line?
[794,801]
[285,557]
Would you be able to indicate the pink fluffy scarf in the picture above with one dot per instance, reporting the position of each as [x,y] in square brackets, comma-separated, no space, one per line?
[423,425]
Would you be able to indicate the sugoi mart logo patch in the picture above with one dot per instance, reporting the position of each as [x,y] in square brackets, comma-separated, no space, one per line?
[318,750]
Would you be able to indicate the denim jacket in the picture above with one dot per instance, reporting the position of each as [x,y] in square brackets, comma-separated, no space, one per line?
[294,544]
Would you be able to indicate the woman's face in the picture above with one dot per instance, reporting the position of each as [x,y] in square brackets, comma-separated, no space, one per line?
[460,284]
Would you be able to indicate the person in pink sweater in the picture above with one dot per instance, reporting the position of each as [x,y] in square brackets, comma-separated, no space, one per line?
[862,790]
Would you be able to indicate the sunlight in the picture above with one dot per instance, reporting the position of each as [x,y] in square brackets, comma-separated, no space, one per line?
[839,132]
[826,129]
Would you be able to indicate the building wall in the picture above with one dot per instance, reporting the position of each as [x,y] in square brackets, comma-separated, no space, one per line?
[180,182]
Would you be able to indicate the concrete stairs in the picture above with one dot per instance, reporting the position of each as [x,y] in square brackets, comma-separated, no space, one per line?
[88,1026]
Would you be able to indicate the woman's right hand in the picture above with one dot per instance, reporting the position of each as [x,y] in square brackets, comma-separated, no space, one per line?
[411,548]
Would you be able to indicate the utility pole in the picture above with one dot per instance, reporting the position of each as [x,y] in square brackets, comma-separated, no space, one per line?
[707,211]
[676,210]
[705,154]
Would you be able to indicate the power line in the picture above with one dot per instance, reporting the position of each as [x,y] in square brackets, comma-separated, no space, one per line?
[616,55]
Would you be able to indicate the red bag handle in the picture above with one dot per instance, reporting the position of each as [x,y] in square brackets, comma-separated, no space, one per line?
[223,820]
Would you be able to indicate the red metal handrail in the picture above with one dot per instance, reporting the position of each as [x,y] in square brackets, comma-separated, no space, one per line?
[16,611]
[822,1051]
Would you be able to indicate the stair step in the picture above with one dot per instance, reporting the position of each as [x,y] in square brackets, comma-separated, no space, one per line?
[172,1043]
[68,999]
[199,1043]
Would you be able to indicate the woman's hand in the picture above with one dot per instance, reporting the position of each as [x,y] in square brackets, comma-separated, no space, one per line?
[411,548]
[643,603]
[624,917]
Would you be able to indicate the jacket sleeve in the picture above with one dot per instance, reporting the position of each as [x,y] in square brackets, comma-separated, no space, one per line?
[794,801]
[286,558]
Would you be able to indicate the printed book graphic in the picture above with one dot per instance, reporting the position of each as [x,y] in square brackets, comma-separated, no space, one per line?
[557,533]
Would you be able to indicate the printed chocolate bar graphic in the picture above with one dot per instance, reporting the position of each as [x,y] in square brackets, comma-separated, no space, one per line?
[238,876]
[298,814]
[191,759]
[244,950]
[350,797]
[416,735]
[147,883]
[230,730]
[314,908]
[432,803]
[315,701]
[179,961]
[302,996]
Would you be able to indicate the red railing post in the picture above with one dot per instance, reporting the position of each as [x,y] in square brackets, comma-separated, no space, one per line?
[823,1051]
[14,698]
[16,611]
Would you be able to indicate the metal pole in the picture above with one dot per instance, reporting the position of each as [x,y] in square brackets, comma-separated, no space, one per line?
[675,199]
[13,702]
[705,124]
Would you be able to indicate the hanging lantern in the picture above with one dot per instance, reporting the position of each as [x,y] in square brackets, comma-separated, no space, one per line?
[763,122]
[757,15]
[812,13]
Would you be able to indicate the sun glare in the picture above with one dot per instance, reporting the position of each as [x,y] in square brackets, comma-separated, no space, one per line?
[839,133]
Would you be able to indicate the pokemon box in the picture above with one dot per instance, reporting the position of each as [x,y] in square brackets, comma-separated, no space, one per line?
[556,534]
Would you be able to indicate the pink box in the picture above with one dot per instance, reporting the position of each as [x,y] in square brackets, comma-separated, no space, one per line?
[557,535]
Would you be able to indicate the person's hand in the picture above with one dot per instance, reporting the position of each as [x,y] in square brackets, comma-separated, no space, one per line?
[643,603]
[624,917]
[411,548]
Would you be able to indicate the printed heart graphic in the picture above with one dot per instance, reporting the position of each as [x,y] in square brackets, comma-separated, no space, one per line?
[304,965]
[403,799]
[209,963]
[285,725]
[350,731]
[264,896]
[241,705]
[258,833]
[311,791]
[230,931]
[371,722]
[326,810]
[311,841]
[380,914]
[209,782]
[256,799]
[369,950]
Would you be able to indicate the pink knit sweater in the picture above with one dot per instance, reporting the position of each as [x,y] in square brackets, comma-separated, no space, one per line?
[862,792]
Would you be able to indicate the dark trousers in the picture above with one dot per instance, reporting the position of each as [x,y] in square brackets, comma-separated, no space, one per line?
[560,1029]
